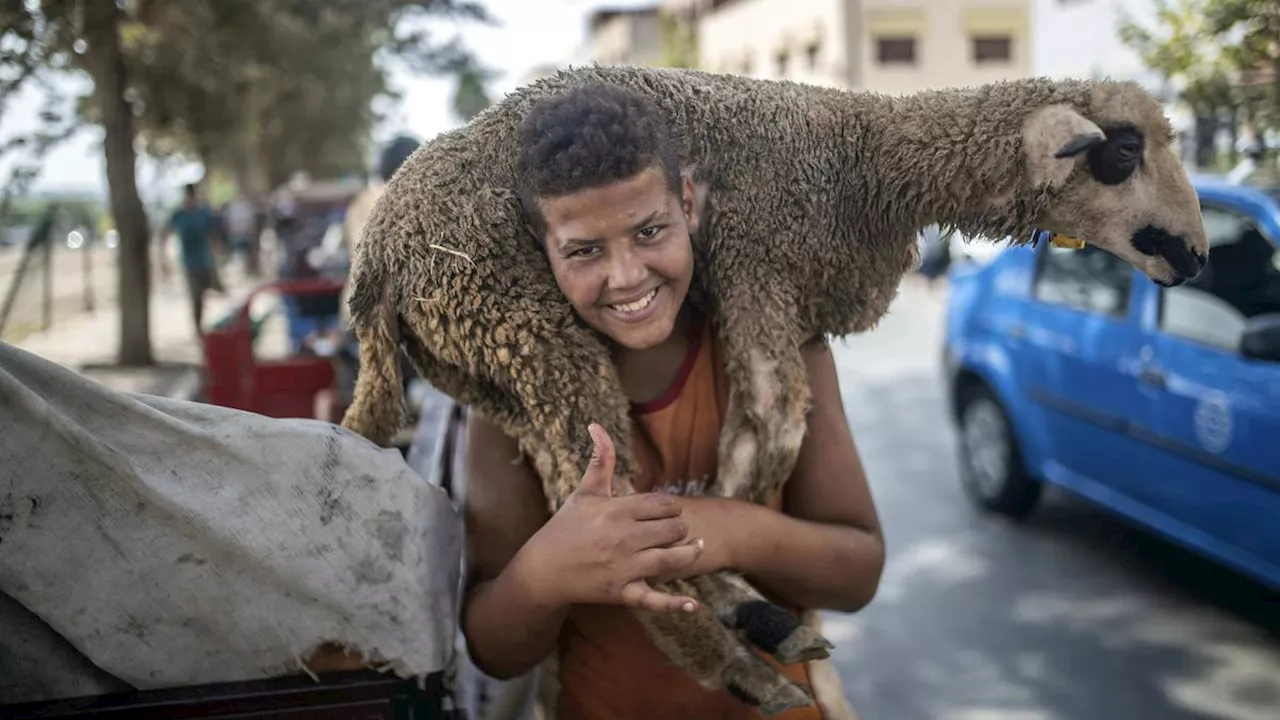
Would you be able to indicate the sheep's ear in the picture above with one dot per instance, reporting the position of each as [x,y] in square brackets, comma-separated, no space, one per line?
[1053,137]
[1079,144]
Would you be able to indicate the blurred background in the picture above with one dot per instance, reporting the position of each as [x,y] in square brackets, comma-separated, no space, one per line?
[1110,600]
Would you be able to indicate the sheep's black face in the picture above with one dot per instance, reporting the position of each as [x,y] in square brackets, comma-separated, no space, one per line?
[1185,262]
[1113,160]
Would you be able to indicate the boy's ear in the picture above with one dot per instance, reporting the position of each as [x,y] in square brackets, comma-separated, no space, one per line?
[690,203]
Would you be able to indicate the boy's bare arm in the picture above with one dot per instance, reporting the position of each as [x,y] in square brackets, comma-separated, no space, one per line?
[507,631]
[827,551]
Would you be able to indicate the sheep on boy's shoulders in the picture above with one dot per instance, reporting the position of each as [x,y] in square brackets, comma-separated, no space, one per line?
[813,198]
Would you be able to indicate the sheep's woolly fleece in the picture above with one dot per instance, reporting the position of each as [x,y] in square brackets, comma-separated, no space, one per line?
[813,200]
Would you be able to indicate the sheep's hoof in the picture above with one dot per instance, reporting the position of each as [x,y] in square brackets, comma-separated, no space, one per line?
[756,683]
[776,631]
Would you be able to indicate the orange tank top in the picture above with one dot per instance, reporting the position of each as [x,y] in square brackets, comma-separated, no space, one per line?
[609,669]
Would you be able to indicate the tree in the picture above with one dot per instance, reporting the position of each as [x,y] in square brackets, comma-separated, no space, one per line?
[678,36]
[470,96]
[1183,49]
[1253,26]
[84,35]
[300,79]
[261,87]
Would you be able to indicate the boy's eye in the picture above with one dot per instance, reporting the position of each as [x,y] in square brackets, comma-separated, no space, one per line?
[583,252]
[649,232]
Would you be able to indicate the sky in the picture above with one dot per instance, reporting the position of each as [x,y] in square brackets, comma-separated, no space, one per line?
[528,34]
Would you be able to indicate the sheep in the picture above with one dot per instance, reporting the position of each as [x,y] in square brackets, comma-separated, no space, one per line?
[812,198]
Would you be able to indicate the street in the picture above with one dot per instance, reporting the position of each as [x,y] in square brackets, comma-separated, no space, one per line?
[1070,615]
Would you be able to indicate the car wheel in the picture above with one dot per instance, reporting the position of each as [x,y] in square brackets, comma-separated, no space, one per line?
[991,468]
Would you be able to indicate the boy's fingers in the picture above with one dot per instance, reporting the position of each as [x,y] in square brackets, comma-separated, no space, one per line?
[650,506]
[657,533]
[598,480]
[667,562]
[638,594]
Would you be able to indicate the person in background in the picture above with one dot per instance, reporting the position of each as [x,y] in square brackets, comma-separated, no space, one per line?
[342,341]
[194,225]
[391,158]
[935,255]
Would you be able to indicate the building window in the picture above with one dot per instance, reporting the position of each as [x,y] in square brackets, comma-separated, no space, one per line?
[780,62]
[992,49]
[896,50]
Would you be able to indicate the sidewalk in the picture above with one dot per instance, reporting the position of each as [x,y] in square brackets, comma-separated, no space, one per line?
[88,343]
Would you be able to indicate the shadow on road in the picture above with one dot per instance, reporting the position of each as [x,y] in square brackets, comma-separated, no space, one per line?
[1169,567]
[1072,614]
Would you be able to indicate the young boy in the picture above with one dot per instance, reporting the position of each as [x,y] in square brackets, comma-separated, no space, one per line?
[604,196]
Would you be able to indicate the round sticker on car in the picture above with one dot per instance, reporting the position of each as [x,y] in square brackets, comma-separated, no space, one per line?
[1213,422]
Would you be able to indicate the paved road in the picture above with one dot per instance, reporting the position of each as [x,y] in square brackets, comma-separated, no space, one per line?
[1069,616]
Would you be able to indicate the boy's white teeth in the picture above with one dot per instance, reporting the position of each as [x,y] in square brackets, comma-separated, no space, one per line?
[638,305]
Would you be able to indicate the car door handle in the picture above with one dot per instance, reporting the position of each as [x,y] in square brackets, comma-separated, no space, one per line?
[1152,375]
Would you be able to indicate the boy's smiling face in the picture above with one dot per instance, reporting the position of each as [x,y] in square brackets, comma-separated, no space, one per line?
[621,253]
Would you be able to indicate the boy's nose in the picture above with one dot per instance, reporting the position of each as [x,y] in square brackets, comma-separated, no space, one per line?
[626,272]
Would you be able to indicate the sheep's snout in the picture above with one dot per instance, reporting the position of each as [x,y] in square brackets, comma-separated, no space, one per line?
[1185,261]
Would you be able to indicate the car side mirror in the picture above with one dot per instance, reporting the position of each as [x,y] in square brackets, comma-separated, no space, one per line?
[1261,339]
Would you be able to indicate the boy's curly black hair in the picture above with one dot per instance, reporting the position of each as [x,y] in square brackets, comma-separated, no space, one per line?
[588,137]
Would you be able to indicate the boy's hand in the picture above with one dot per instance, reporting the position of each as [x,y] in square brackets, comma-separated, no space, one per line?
[598,549]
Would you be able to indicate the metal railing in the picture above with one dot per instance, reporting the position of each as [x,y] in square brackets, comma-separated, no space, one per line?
[51,276]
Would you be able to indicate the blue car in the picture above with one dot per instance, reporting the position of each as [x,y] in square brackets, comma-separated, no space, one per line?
[1161,404]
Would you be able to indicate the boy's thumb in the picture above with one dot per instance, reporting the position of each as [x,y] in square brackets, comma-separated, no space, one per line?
[598,480]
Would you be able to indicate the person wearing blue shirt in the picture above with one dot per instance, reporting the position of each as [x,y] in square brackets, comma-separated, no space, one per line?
[194,224]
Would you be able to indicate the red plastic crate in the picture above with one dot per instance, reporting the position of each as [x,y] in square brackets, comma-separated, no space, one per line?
[283,388]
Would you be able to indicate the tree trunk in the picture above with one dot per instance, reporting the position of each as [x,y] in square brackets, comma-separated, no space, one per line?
[105,64]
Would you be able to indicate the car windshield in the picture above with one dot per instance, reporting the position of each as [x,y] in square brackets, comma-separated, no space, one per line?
[1244,265]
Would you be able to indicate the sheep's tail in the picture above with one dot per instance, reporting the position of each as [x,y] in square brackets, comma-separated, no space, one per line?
[377,409]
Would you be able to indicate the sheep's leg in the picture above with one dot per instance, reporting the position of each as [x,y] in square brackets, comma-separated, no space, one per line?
[759,622]
[708,652]
[377,410]
[768,400]
[763,429]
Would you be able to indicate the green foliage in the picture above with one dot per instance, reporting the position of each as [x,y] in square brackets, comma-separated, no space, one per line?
[255,89]
[1253,27]
[679,41]
[260,89]
[470,97]
[286,85]
[1210,48]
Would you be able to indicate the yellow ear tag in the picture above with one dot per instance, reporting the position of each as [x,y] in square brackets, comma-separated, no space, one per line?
[1066,241]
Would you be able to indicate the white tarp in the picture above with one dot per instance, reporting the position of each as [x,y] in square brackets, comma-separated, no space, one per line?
[175,543]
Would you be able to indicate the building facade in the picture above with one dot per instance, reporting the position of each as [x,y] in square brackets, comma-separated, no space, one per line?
[625,37]
[892,46]
[911,46]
